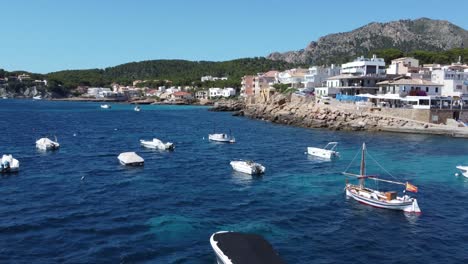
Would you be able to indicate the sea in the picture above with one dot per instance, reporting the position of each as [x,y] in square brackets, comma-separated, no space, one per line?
[79,205]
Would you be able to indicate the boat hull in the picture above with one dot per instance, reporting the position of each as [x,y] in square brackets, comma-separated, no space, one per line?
[410,206]
[463,170]
[322,153]
[157,145]
[254,169]
[221,138]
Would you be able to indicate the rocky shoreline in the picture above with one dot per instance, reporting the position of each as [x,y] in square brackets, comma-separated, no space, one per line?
[305,112]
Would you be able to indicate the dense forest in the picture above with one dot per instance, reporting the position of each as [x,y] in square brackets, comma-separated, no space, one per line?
[182,72]
[179,72]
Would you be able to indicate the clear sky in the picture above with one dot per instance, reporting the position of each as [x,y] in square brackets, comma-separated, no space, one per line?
[51,35]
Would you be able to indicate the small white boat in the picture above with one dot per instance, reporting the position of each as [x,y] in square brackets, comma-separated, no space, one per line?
[463,170]
[47,144]
[4,97]
[157,144]
[248,167]
[137,108]
[386,200]
[106,106]
[9,164]
[328,152]
[236,247]
[130,159]
[37,97]
[222,138]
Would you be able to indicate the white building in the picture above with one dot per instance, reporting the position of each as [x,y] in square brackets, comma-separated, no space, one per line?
[409,87]
[211,78]
[317,75]
[264,81]
[402,65]
[454,79]
[218,92]
[292,76]
[364,66]
[96,91]
[228,92]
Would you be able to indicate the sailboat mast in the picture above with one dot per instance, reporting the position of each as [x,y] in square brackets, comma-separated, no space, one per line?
[363,165]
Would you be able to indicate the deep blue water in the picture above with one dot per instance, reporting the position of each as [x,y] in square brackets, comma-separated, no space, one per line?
[166,211]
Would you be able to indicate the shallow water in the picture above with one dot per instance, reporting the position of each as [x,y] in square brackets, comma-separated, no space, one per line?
[78,205]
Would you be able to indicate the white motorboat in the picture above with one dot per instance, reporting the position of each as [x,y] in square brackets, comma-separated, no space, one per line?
[157,144]
[37,97]
[222,138]
[328,152]
[47,144]
[106,106]
[248,167]
[245,248]
[137,108]
[4,97]
[463,170]
[130,159]
[9,164]
[387,200]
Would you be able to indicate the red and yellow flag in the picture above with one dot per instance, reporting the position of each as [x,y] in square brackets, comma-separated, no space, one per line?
[411,188]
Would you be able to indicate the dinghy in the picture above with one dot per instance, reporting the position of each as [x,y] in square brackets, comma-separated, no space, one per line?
[47,144]
[106,106]
[328,152]
[387,200]
[137,108]
[130,159]
[37,97]
[9,164]
[243,248]
[157,144]
[248,167]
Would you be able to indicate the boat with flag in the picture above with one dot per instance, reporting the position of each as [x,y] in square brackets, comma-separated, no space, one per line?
[387,200]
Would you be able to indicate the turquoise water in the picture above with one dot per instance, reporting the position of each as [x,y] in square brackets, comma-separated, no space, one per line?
[78,205]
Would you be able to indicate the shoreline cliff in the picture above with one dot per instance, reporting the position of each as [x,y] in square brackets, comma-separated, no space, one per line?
[305,112]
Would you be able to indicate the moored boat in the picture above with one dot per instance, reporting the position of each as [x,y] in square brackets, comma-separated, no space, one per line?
[137,108]
[222,138]
[463,170]
[37,97]
[243,248]
[248,167]
[9,164]
[386,200]
[157,144]
[328,152]
[130,159]
[106,106]
[47,144]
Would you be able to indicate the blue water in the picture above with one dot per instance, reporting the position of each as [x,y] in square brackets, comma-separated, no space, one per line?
[78,205]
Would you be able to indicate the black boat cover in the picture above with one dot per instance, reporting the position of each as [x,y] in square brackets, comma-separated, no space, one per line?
[243,248]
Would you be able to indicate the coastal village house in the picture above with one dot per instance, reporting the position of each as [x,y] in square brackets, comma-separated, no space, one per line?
[247,88]
[218,92]
[317,75]
[403,66]
[211,78]
[265,81]
[202,94]
[293,77]
[454,79]
[357,77]
[180,96]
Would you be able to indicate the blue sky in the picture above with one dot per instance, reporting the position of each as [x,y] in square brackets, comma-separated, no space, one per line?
[51,35]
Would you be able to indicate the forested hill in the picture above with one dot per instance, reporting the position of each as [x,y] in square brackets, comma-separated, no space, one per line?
[180,72]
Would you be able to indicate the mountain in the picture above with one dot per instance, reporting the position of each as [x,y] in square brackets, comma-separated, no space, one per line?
[404,35]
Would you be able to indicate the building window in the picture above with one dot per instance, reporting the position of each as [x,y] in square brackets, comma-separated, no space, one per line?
[427,89]
[437,89]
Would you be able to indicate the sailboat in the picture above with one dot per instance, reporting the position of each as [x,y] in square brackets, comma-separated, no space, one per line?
[387,200]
